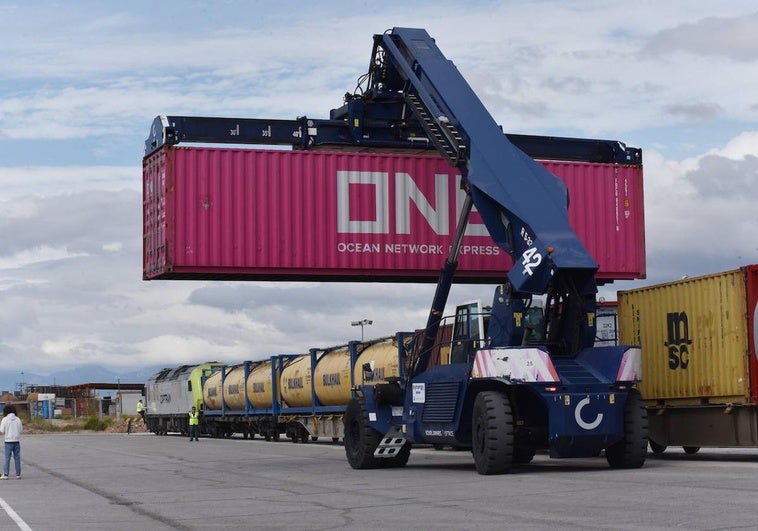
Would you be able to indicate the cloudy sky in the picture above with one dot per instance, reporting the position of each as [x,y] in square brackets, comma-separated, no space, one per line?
[80,83]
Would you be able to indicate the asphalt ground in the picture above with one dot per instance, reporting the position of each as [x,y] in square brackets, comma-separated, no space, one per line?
[101,481]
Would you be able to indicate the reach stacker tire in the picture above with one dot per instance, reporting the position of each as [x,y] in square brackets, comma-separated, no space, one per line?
[492,433]
[361,440]
[631,451]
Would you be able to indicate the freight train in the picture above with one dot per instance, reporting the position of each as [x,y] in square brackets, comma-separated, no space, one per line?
[303,396]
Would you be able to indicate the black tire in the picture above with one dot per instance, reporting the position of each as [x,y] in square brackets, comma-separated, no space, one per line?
[691,450]
[523,455]
[657,448]
[492,433]
[361,440]
[631,451]
[335,439]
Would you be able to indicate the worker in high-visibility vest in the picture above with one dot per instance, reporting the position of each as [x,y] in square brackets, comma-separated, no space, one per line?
[141,410]
[194,423]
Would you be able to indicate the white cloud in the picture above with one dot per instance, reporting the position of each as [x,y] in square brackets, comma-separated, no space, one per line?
[533,74]
[733,38]
[45,181]
[738,148]
[699,211]
[35,255]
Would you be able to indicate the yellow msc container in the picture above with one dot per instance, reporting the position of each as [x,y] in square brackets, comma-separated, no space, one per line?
[694,338]
[699,361]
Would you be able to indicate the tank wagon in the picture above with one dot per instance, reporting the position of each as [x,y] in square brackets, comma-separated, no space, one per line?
[303,396]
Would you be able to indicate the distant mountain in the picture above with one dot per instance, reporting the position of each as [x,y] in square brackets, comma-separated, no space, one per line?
[10,381]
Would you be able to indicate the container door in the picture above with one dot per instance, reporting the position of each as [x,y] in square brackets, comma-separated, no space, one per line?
[751,278]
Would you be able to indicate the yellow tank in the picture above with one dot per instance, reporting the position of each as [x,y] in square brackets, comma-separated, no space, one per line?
[385,362]
[259,386]
[234,387]
[212,392]
[295,382]
[332,378]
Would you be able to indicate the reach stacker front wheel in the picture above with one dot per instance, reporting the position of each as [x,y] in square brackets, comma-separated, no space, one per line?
[361,440]
[630,452]
[492,433]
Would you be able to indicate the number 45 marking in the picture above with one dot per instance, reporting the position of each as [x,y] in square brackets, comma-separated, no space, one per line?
[530,260]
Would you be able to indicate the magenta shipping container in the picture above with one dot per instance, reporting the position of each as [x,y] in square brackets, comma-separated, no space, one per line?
[248,214]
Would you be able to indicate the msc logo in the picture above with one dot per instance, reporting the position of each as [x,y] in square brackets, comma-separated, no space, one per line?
[678,340]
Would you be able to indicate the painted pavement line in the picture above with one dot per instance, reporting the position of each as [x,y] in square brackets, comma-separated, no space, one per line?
[14,516]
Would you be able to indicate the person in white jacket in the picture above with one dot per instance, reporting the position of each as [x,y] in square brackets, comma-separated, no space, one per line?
[11,427]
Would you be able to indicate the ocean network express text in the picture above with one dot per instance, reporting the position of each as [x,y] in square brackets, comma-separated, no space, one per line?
[414,248]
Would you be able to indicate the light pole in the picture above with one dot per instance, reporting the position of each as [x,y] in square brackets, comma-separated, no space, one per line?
[362,323]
